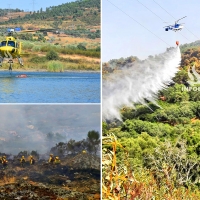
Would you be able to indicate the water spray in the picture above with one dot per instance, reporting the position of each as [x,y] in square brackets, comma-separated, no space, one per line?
[138,82]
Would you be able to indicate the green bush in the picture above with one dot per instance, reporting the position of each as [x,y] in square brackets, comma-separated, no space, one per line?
[98,48]
[176,94]
[55,66]
[38,59]
[36,48]
[52,55]
[47,48]
[27,45]
[81,47]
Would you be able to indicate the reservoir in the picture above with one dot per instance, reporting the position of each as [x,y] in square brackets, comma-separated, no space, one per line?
[48,87]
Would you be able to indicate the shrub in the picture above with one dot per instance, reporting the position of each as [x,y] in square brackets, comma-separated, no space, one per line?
[55,66]
[47,48]
[27,45]
[38,59]
[52,55]
[36,48]
[81,47]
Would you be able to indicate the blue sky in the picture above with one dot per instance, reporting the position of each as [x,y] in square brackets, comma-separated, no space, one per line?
[27,5]
[122,36]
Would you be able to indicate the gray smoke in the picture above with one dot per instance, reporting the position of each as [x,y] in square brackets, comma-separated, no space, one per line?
[26,127]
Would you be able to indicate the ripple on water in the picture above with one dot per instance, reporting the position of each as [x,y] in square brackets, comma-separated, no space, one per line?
[45,87]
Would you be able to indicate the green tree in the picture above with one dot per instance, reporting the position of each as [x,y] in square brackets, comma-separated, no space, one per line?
[35,154]
[81,46]
[181,77]
[176,94]
[93,138]
[52,55]
[174,163]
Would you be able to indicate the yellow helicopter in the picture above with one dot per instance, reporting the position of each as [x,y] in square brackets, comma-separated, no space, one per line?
[10,48]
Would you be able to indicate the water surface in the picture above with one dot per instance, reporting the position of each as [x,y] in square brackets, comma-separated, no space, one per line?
[47,87]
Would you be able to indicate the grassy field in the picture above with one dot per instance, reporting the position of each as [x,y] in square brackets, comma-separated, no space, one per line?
[74,41]
[69,56]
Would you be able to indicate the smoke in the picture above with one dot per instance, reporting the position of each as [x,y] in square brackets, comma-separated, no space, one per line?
[138,81]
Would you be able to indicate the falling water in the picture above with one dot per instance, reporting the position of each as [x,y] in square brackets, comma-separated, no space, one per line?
[138,82]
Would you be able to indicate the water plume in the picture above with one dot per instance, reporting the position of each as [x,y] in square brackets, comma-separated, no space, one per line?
[138,82]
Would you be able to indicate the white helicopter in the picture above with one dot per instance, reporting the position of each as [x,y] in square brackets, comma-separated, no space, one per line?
[175,27]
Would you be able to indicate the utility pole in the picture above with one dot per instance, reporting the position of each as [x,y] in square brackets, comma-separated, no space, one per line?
[9,11]
[33,3]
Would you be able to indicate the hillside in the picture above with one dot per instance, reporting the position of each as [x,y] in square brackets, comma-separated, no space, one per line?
[6,12]
[155,148]
[190,54]
[75,40]
[82,13]
[77,19]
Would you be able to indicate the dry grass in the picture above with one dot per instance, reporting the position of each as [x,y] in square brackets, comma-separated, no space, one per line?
[64,39]
[79,57]
[7,180]
[13,15]
[121,182]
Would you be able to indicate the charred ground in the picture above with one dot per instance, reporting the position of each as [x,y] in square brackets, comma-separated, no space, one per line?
[76,177]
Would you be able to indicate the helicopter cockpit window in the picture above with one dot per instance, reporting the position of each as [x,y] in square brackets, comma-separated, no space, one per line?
[3,43]
[11,43]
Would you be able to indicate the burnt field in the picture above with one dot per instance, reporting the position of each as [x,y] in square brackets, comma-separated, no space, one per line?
[76,177]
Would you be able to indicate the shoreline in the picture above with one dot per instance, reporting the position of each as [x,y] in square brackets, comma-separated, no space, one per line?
[42,70]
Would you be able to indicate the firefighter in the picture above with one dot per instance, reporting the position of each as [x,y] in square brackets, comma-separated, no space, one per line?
[51,158]
[57,160]
[4,162]
[22,161]
[32,160]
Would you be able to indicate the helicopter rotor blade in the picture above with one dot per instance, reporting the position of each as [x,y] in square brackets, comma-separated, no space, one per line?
[180,19]
[168,26]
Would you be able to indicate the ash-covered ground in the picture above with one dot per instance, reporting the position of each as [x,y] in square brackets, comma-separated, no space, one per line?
[75,177]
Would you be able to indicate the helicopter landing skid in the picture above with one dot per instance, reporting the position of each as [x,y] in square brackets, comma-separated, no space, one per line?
[20,61]
[1,61]
[10,67]
[11,63]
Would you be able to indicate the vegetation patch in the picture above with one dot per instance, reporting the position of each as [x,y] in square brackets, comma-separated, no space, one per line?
[55,66]
[153,153]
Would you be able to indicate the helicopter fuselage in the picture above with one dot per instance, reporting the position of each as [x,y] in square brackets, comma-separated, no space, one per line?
[10,48]
[176,27]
